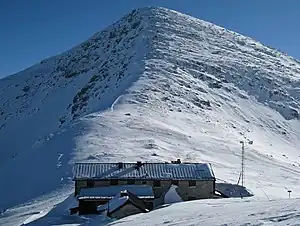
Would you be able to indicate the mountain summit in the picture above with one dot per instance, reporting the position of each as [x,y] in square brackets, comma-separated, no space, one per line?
[154,86]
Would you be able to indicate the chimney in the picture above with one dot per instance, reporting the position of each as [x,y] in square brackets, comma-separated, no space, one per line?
[178,161]
[123,193]
[120,165]
[138,165]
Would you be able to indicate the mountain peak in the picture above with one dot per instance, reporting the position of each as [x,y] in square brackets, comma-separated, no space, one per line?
[153,85]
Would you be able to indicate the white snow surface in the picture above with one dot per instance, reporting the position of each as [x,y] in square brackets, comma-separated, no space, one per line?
[220,212]
[155,86]
[172,196]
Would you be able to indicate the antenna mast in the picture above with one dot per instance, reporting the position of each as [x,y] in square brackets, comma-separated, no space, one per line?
[243,163]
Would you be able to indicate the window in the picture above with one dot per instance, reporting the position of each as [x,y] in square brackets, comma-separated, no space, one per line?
[90,183]
[192,183]
[113,182]
[191,198]
[156,183]
[175,182]
[130,182]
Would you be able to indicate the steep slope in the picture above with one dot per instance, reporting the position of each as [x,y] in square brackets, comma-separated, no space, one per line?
[42,101]
[156,85]
[61,88]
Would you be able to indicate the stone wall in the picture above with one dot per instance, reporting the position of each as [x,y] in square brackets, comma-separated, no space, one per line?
[202,189]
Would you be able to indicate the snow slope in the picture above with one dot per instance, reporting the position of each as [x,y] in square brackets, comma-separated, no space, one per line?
[156,85]
[220,212]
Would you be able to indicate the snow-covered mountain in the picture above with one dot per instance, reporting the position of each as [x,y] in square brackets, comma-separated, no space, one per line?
[155,86]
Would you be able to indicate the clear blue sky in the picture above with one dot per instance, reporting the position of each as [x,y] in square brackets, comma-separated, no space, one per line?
[32,30]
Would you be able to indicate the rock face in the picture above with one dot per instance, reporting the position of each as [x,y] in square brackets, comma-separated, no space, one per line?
[156,85]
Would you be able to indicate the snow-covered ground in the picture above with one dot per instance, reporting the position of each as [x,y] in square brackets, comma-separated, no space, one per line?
[155,86]
[221,212]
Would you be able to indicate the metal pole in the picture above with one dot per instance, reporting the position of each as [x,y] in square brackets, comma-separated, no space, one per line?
[243,164]
[289,191]
[243,161]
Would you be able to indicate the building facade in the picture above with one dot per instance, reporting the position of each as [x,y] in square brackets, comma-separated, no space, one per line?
[194,180]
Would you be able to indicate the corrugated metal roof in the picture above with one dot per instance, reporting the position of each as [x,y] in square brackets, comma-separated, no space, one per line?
[147,171]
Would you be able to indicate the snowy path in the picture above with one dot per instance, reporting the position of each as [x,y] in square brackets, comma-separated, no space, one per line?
[115,102]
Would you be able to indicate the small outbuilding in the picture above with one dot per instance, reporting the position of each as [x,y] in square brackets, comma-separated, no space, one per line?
[124,204]
[90,198]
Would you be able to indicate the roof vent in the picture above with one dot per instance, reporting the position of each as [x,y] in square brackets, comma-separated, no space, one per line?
[120,165]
